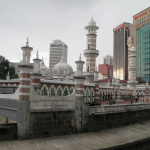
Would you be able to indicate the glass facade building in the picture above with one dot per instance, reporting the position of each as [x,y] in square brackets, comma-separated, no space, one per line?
[143,51]
[141,40]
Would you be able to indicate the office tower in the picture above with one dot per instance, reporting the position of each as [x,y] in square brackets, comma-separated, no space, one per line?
[56,50]
[120,51]
[141,38]
[108,60]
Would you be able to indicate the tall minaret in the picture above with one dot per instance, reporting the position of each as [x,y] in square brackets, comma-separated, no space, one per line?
[25,69]
[132,68]
[91,53]
[36,75]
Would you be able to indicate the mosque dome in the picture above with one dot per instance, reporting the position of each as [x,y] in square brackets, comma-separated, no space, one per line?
[62,68]
[92,22]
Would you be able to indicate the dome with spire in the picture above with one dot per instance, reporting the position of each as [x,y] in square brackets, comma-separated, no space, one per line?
[92,22]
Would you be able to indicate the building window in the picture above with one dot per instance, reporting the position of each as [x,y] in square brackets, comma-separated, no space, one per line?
[65,92]
[52,92]
[88,46]
[59,92]
[88,68]
[147,17]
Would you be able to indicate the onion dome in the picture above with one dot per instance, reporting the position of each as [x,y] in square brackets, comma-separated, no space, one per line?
[92,22]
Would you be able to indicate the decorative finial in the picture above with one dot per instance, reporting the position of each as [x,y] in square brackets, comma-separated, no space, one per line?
[92,17]
[27,43]
[80,57]
[37,54]
[42,56]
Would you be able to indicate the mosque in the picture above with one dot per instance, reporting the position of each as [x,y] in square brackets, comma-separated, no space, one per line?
[63,102]
[63,79]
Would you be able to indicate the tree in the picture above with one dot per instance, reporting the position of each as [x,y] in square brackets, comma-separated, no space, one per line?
[4,68]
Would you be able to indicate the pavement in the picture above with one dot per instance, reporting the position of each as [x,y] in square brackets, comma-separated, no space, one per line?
[83,141]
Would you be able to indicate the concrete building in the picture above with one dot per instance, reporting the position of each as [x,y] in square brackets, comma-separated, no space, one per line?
[120,50]
[106,71]
[141,40]
[108,60]
[56,50]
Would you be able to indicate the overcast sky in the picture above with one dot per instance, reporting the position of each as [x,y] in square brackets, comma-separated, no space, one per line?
[42,21]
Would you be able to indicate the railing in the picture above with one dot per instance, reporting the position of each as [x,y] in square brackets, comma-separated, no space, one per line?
[117,108]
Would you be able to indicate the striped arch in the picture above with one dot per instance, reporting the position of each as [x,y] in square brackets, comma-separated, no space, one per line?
[66,91]
[59,91]
[44,90]
[52,91]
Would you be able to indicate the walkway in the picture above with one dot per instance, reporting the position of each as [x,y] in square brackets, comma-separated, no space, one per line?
[83,141]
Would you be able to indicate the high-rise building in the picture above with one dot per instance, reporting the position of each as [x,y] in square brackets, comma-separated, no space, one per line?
[120,51]
[141,40]
[56,51]
[108,60]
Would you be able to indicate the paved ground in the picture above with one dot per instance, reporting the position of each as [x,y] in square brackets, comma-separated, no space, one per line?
[83,141]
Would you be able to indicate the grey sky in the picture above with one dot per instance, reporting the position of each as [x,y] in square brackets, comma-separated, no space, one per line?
[45,20]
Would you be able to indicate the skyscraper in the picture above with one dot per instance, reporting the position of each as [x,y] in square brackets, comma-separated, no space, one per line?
[108,60]
[56,50]
[120,51]
[141,39]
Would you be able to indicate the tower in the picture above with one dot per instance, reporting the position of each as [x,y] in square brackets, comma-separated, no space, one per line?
[25,71]
[56,51]
[91,53]
[79,87]
[132,68]
[36,75]
[141,40]
[120,50]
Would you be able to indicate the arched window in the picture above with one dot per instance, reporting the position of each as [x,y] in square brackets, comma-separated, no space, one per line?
[88,68]
[65,92]
[59,92]
[87,95]
[52,91]
[44,91]
[91,97]
[71,90]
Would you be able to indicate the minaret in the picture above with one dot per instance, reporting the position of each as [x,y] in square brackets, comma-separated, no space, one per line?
[132,68]
[79,88]
[36,68]
[91,53]
[25,69]
[79,79]
[36,75]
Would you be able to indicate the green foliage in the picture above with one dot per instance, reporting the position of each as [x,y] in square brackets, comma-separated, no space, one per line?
[4,68]
[111,102]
